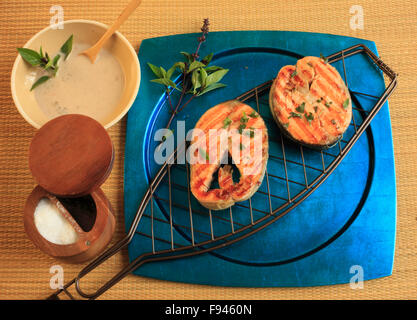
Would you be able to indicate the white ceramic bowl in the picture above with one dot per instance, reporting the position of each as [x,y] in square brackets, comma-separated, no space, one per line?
[84,31]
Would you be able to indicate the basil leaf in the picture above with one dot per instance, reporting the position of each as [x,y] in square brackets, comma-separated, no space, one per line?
[67,47]
[163,71]
[213,68]
[39,81]
[30,56]
[155,70]
[195,80]
[49,64]
[188,56]
[180,65]
[206,60]
[211,87]
[203,76]
[165,82]
[194,65]
[171,71]
[216,76]
[56,59]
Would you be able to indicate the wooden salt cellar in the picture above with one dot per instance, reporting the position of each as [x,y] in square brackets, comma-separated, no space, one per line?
[70,157]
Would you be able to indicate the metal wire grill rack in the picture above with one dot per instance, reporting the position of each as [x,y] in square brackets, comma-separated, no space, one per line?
[186,229]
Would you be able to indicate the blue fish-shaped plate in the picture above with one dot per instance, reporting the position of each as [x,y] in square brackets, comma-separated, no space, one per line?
[343,232]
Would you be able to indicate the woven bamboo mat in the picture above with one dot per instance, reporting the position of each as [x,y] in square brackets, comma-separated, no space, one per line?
[24,271]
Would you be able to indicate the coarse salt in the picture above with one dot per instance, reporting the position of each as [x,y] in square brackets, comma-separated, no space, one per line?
[52,225]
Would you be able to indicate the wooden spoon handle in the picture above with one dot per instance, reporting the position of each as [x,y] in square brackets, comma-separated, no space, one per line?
[122,18]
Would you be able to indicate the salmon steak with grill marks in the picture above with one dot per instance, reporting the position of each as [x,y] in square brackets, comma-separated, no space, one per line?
[311,103]
[230,130]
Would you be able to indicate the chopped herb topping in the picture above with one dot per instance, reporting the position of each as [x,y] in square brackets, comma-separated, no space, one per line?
[309,117]
[241,127]
[294,73]
[333,121]
[253,115]
[242,146]
[251,132]
[227,122]
[244,118]
[294,115]
[204,154]
[286,125]
[327,104]
[315,109]
[319,100]
[346,103]
[301,107]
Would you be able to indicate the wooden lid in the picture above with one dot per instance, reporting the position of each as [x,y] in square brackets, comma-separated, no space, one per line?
[71,155]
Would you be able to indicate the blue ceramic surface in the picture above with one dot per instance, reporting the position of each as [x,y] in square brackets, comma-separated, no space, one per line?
[348,221]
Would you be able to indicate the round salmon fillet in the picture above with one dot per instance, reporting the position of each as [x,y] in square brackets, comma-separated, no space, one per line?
[234,130]
[311,103]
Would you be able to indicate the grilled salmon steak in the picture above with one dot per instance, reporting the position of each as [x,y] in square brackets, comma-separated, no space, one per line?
[310,103]
[230,130]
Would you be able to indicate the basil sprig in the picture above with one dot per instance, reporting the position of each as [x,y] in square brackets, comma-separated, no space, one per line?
[42,59]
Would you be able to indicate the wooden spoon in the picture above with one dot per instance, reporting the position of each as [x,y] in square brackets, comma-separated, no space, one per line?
[92,52]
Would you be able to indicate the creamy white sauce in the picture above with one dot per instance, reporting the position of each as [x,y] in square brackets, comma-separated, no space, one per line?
[82,87]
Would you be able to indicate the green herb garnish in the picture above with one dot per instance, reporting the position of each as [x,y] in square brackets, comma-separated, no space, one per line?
[241,146]
[204,154]
[327,104]
[286,125]
[346,103]
[294,73]
[315,109]
[294,115]
[195,74]
[309,117]
[325,60]
[254,115]
[301,107]
[39,81]
[241,127]
[227,122]
[244,118]
[41,59]
[250,133]
[333,121]
[30,56]
[67,47]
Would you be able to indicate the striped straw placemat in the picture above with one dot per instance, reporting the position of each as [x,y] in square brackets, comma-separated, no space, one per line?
[24,270]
